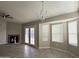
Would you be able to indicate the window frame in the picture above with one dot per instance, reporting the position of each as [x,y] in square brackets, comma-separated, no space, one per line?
[68,33]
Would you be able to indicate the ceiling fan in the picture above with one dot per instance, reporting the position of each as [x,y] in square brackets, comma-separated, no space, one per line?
[4,16]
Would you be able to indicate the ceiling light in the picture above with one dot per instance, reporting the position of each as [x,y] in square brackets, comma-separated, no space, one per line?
[43,11]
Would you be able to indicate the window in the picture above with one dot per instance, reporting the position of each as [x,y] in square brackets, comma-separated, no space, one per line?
[72,32]
[45,32]
[57,33]
[26,35]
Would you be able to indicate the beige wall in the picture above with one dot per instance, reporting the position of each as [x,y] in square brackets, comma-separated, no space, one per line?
[14,28]
[3,31]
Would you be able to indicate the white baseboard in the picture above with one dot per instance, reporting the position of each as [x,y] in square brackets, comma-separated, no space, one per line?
[43,47]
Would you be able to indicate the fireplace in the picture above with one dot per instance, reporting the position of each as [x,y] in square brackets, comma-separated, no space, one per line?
[13,39]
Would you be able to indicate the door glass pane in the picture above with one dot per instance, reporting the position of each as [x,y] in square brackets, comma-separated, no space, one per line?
[32,36]
[72,32]
[27,35]
[57,33]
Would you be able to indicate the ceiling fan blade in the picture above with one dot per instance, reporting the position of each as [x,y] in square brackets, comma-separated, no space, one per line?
[7,15]
[1,14]
[10,17]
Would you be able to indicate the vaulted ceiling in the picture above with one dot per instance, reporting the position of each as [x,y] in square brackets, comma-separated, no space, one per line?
[26,11]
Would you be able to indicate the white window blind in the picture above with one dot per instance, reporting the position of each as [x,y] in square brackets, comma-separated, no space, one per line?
[57,33]
[72,32]
[45,32]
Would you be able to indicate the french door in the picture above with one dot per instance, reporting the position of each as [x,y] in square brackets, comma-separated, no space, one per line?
[30,36]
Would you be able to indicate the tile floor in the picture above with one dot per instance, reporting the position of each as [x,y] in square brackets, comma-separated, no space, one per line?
[24,51]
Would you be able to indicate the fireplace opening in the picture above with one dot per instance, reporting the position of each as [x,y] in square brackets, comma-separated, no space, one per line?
[13,38]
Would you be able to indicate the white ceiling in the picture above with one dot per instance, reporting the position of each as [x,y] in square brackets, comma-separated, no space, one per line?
[25,11]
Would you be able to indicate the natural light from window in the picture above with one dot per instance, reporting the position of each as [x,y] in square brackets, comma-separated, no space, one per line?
[45,32]
[57,33]
[72,32]
[26,35]
[32,36]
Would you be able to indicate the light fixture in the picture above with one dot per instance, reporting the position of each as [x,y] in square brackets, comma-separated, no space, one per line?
[43,11]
